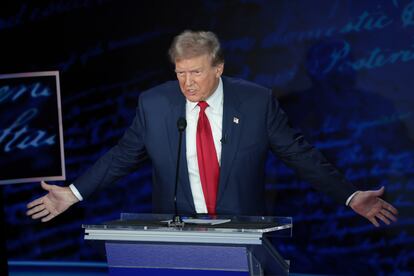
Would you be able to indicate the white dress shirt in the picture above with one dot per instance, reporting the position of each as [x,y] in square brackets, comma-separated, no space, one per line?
[214,113]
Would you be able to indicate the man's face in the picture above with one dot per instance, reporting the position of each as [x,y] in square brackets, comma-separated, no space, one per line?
[197,77]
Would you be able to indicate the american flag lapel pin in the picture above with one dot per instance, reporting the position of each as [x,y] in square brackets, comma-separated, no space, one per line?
[236,120]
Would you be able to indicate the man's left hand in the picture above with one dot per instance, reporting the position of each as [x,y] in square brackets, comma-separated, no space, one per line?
[369,205]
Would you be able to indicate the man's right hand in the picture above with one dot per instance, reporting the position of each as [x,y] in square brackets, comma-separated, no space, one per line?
[56,201]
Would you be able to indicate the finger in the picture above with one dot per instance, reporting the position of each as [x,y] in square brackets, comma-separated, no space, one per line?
[46,186]
[379,192]
[48,217]
[36,209]
[374,221]
[35,202]
[388,214]
[383,218]
[390,208]
[41,214]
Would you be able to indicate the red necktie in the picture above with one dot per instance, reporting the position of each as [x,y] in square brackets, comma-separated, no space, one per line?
[207,159]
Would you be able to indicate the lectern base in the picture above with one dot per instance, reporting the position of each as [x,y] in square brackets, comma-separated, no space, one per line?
[177,259]
[119,271]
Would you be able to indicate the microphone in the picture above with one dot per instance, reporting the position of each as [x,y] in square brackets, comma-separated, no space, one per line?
[177,220]
[181,124]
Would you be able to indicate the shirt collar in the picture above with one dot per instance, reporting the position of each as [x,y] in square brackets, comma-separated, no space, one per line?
[214,101]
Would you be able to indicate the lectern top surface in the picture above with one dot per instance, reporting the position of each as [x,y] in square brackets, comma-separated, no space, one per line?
[200,223]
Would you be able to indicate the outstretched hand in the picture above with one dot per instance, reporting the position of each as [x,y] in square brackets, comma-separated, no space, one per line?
[56,201]
[369,205]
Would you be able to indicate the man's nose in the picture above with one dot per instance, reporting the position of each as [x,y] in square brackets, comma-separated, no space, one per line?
[188,80]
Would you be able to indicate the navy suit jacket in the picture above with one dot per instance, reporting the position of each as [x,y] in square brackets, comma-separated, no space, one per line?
[253,124]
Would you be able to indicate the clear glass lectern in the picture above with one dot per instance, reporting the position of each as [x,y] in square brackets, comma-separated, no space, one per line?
[205,245]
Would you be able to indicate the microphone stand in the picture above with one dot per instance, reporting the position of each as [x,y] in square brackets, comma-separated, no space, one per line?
[177,221]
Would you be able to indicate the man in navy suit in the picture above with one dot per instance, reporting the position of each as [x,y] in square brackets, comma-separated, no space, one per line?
[231,126]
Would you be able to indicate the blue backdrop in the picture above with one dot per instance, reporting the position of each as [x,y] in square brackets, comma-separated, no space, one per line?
[341,69]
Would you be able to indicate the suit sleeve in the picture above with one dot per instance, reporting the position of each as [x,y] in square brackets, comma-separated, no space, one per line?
[308,162]
[119,161]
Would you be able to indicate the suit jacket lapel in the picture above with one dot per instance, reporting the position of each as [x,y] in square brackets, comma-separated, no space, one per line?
[232,124]
[177,111]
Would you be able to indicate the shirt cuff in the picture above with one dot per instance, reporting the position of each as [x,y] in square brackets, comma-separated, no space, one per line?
[350,198]
[75,192]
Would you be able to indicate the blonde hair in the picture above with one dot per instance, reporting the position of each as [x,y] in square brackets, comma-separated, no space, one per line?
[191,44]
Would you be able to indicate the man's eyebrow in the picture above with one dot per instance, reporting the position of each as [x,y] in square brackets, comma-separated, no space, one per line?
[191,70]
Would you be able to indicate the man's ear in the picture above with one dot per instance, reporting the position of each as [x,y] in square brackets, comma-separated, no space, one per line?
[219,70]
